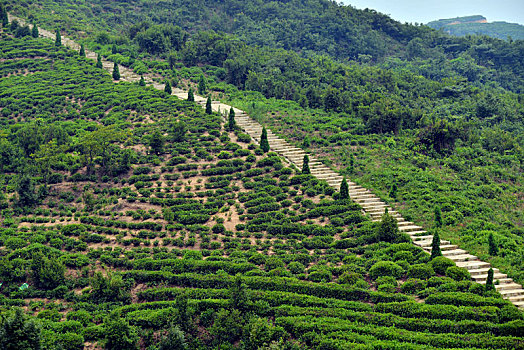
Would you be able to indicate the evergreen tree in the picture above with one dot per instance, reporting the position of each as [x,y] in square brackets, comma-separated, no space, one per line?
[344,189]
[231,124]
[58,40]
[438,217]
[493,249]
[305,165]
[99,61]
[264,143]
[34,31]
[489,281]
[190,95]
[47,273]
[168,89]
[82,52]
[114,50]
[18,332]
[435,246]
[351,164]
[142,82]
[116,72]
[388,228]
[393,191]
[202,85]
[209,110]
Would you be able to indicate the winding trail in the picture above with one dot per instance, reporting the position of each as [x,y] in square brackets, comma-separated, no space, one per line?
[372,204]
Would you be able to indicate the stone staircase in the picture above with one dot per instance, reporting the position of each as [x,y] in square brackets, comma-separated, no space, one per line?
[372,205]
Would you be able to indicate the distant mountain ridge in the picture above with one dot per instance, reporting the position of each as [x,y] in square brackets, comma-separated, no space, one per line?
[477,24]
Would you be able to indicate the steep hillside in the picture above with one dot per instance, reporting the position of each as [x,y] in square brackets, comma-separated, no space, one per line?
[478,25]
[137,219]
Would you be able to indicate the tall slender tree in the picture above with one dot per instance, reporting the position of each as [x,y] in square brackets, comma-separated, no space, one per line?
[202,85]
[231,124]
[116,72]
[190,95]
[167,88]
[435,246]
[209,110]
[142,82]
[305,165]
[58,39]
[82,52]
[264,143]
[34,31]
[344,189]
[99,61]
[114,50]
[489,281]
[438,217]
[493,249]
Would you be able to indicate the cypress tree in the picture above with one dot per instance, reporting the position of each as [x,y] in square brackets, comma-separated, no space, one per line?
[58,40]
[388,228]
[351,164]
[142,82]
[393,191]
[264,143]
[190,95]
[114,49]
[231,124]
[344,189]
[435,246]
[82,52]
[493,249]
[116,72]
[202,85]
[438,217]
[34,31]
[99,61]
[168,89]
[305,165]
[209,110]
[489,281]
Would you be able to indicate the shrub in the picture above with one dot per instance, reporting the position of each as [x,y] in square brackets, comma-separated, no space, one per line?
[403,255]
[385,268]
[386,288]
[296,267]
[440,264]
[386,280]
[458,273]
[412,286]
[420,271]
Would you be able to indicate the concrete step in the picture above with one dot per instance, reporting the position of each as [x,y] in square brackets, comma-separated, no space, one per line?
[428,242]
[472,265]
[517,299]
[511,292]
[407,229]
[508,286]
[443,247]
[463,258]
[449,253]
[422,238]
[417,233]
[481,279]
[483,272]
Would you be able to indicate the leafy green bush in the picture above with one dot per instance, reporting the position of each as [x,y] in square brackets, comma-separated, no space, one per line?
[385,268]
[458,273]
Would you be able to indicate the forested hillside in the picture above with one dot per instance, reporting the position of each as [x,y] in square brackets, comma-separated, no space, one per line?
[308,27]
[131,219]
